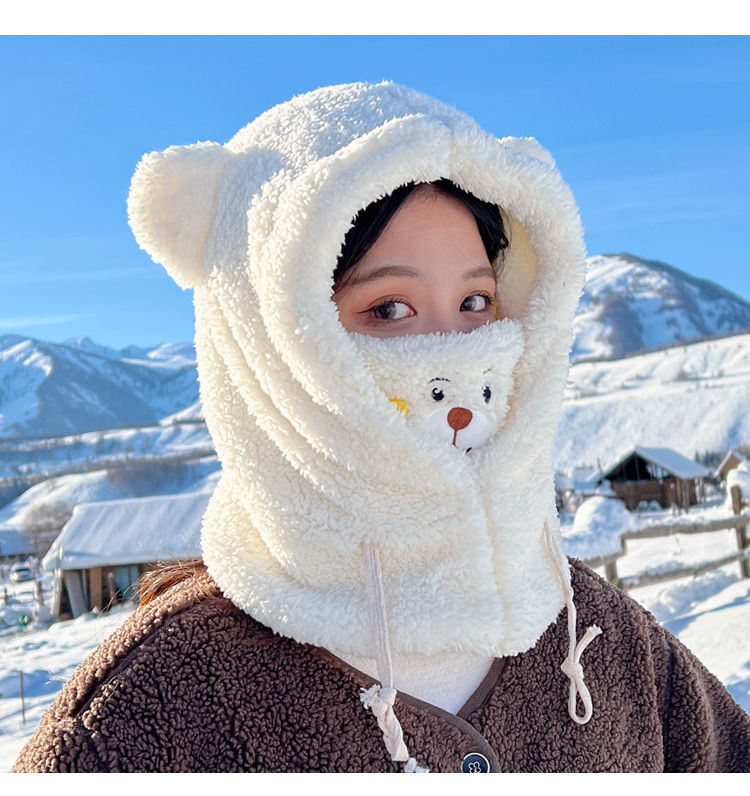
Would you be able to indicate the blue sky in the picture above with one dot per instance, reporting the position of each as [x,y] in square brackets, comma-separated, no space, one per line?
[651,132]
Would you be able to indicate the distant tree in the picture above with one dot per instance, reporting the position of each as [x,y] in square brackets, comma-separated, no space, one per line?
[143,477]
[43,522]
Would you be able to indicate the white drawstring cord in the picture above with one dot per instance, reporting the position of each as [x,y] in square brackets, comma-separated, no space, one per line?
[381,697]
[571,666]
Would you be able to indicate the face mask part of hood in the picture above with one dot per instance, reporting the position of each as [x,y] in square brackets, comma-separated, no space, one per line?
[451,387]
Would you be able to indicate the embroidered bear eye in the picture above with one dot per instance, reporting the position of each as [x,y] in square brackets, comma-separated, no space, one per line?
[487,393]
[437,395]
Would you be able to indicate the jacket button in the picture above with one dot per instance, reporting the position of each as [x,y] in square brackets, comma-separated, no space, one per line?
[474,763]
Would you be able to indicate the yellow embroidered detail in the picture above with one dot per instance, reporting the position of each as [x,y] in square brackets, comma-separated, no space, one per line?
[400,405]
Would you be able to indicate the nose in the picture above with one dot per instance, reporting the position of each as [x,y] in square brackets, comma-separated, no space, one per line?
[441,318]
[459,418]
[444,320]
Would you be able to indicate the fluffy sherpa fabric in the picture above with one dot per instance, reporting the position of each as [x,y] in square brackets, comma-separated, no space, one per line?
[474,375]
[194,684]
[317,461]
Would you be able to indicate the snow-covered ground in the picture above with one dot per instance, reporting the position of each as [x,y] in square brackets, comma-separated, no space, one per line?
[47,657]
[709,613]
[46,654]
[691,398]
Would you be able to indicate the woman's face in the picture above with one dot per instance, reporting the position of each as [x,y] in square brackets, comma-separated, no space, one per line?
[427,272]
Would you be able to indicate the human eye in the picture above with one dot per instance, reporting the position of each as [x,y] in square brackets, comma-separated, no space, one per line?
[476,302]
[391,310]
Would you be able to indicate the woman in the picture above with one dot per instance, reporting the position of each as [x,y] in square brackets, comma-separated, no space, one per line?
[385,585]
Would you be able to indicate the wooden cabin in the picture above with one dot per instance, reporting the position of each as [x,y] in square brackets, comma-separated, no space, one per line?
[105,547]
[655,474]
[728,463]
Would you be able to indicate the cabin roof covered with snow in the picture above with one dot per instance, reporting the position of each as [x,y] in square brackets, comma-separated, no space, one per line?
[674,463]
[135,531]
[731,457]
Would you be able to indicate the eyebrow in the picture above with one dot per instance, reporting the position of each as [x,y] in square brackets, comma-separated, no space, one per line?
[404,271]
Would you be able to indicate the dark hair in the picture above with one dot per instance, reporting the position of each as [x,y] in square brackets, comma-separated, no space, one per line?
[370,222]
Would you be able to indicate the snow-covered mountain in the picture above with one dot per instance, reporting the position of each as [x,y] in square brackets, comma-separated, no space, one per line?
[171,356]
[630,304]
[49,389]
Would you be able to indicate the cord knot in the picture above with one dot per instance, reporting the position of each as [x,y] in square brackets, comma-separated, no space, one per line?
[571,666]
[572,669]
[378,699]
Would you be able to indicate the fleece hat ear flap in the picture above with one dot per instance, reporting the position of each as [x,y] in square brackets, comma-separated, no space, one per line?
[172,204]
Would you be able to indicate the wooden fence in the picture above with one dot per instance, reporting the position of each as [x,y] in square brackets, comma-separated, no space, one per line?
[740,522]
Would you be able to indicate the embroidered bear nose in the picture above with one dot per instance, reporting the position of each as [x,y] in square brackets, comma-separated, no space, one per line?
[459,418]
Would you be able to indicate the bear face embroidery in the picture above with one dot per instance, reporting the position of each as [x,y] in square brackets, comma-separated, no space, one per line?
[453,420]
[451,386]
[460,410]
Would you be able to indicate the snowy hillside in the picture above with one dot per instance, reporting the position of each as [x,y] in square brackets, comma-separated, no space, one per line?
[138,479]
[630,304]
[58,388]
[86,451]
[692,398]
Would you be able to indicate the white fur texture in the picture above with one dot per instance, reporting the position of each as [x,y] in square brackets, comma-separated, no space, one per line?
[170,207]
[471,376]
[316,459]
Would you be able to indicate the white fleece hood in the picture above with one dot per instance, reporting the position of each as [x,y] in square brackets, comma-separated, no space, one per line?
[325,439]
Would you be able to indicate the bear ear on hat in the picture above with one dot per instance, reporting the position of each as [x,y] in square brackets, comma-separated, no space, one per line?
[528,146]
[172,203]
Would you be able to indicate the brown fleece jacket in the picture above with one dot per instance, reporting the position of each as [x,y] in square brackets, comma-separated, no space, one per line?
[191,683]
